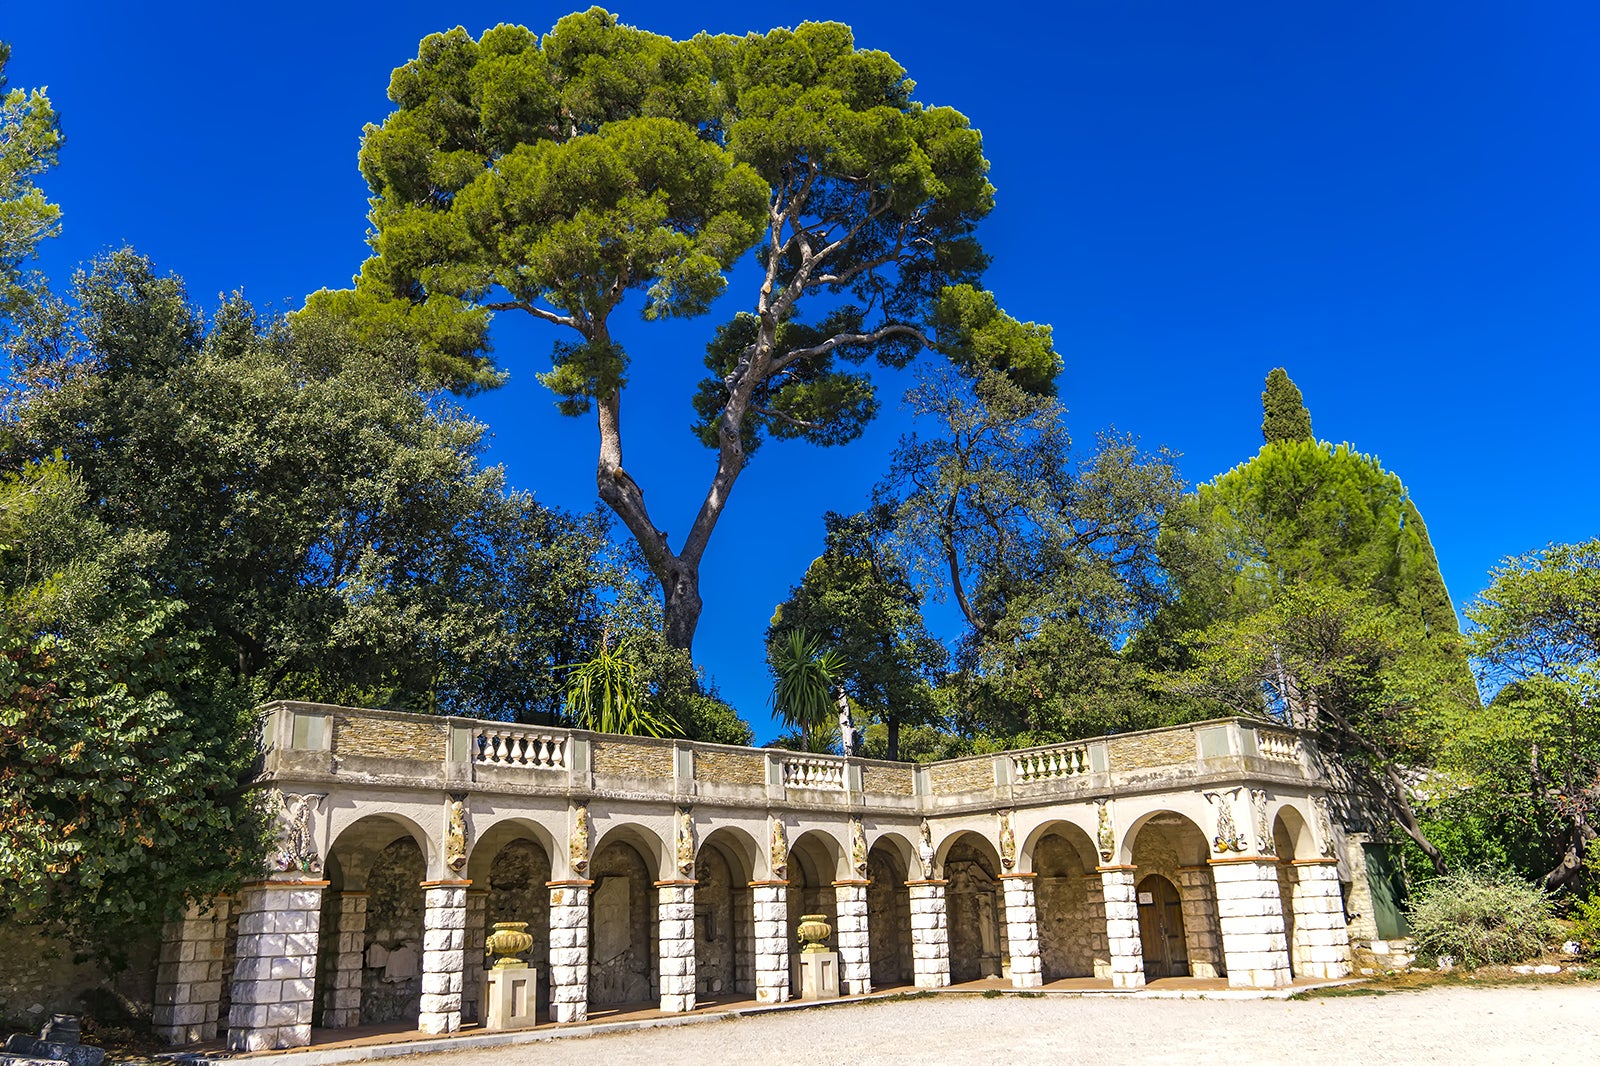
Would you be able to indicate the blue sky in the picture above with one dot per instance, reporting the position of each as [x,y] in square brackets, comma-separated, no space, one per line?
[1396,202]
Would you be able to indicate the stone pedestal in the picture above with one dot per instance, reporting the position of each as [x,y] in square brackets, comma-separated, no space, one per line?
[675,941]
[444,960]
[188,1002]
[1122,926]
[855,958]
[341,1003]
[1022,931]
[1199,902]
[930,934]
[1324,940]
[275,976]
[819,975]
[1251,916]
[770,902]
[569,950]
[510,997]
[472,1002]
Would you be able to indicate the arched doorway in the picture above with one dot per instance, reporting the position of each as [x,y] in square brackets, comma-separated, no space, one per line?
[814,864]
[622,935]
[1161,931]
[888,918]
[1070,905]
[973,906]
[1171,846]
[724,929]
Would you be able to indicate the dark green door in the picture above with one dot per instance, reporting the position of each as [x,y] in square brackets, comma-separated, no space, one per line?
[1388,887]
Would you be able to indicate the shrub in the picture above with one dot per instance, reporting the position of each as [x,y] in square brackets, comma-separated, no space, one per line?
[1481,917]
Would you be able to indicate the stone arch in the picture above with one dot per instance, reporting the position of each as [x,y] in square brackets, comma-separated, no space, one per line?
[489,833]
[650,847]
[623,963]
[1171,844]
[1292,840]
[510,865]
[1068,901]
[889,861]
[356,842]
[903,848]
[724,933]
[816,861]
[970,864]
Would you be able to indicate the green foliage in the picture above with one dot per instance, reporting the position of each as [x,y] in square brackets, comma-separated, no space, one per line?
[1283,411]
[805,674]
[603,694]
[1481,917]
[30,140]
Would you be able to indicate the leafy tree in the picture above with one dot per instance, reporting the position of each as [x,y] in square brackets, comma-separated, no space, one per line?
[1283,410]
[30,140]
[806,676]
[858,599]
[1537,631]
[559,177]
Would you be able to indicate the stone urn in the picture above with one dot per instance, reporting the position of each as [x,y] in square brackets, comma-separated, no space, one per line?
[813,931]
[508,940]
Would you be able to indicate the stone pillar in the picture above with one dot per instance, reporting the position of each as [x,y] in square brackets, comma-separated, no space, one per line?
[444,958]
[675,944]
[1319,919]
[341,1003]
[569,950]
[1122,926]
[744,943]
[1251,916]
[1199,902]
[477,933]
[1022,931]
[275,976]
[770,907]
[930,935]
[855,952]
[188,1003]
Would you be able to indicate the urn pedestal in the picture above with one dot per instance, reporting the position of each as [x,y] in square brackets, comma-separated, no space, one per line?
[819,975]
[510,997]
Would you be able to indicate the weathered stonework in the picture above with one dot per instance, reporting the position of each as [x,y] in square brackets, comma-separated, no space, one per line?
[444,963]
[477,933]
[368,737]
[730,768]
[1122,926]
[961,775]
[275,977]
[1251,919]
[1322,941]
[855,965]
[344,936]
[889,780]
[189,975]
[1198,899]
[1022,931]
[1142,750]
[569,951]
[771,903]
[930,935]
[675,938]
[646,762]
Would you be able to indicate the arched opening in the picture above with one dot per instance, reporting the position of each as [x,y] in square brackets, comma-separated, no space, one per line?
[510,870]
[1291,839]
[973,905]
[724,932]
[888,917]
[1161,932]
[814,862]
[623,967]
[1171,846]
[1070,905]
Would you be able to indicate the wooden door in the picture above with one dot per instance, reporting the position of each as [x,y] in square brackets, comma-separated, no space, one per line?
[1166,951]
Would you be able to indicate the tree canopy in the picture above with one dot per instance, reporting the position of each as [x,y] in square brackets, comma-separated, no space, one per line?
[1283,411]
[30,142]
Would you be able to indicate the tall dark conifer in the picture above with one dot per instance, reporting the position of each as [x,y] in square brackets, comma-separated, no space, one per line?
[1283,410]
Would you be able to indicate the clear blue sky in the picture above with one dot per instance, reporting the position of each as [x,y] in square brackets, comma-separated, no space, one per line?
[1395,201]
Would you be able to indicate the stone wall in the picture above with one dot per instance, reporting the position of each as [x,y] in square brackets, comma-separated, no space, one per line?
[1071,909]
[622,958]
[38,978]
[889,780]
[368,736]
[730,768]
[649,762]
[391,972]
[1150,749]
[974,907]
[888,920]
[518,877]
[965,775]
[716,929]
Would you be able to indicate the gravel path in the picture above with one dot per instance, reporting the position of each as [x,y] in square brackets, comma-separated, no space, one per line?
[1520,1024]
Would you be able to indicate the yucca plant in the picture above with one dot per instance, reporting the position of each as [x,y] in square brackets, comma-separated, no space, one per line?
[603,694]
[804,694]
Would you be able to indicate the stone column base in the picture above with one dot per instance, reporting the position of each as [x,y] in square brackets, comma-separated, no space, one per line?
[675,942]
[855,951]
[188,1003]
[770,902]
[930,934]
[275,977]
[1322,939]
[569,950]
[1122,926]
[1251,916]
[1022,931]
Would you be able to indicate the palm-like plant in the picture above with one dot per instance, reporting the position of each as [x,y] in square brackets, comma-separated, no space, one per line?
[603,695]
[803,696]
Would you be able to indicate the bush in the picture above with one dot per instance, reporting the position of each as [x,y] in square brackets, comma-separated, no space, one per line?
[1481,917]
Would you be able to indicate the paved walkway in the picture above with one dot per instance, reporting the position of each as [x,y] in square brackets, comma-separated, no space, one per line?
[1520,1024]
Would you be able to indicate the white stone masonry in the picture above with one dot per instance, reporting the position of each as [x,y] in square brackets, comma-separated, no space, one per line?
[1199,902]
[930,935]
[444,959]
[275,977]
[855,960]
[569,950]
[1324,940]
[188,1005]
[1022,931]
[477,932]
[341,1004]
[1122,926]
[675,939]
[1250,914]
[770,903]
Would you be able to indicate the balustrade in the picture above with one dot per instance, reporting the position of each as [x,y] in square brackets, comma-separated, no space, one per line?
[1278,747]
[821,774]
[1051,763]
[514,746]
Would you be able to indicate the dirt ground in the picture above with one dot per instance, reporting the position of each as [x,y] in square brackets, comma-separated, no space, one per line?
[1501,1025]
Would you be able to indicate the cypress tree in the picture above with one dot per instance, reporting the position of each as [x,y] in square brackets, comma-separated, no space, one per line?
[1283,410]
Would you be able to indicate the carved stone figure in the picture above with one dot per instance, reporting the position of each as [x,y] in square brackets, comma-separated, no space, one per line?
[925,849]
[297,850]
[1324,815]
[858,846]
[685,842]
[1008,840]
[1107,836]
[578,843]
[1227,838]
[1265,845]
[778,849]
[455,838]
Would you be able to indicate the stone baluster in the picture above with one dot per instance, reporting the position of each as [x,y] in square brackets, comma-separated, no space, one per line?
[444,959]
[1022,930]
[569,950]
[1250,912]
[341,1003]
[930,934]
[1122,926]
[675,942]
[1198,900]
[1319,920]
[855,958]
[274,978]
[477,932]
[770,903]
[188,1002]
